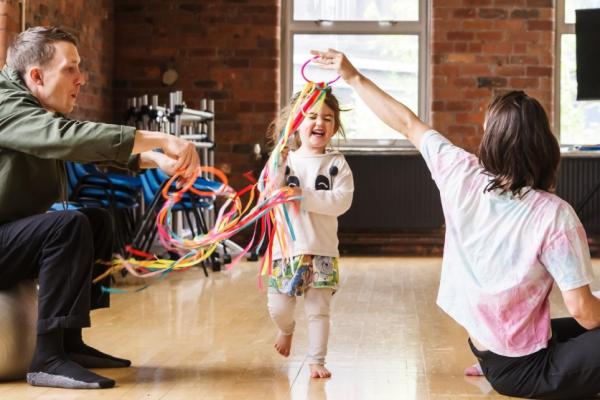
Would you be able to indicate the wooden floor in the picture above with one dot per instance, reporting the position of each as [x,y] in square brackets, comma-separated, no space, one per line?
[192,337]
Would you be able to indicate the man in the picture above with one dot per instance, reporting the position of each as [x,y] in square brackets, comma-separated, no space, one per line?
[38,86]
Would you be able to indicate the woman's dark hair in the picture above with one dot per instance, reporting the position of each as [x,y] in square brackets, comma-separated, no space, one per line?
[518,148]
[274,129]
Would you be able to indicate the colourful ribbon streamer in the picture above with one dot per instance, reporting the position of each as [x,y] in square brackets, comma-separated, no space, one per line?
[269,215]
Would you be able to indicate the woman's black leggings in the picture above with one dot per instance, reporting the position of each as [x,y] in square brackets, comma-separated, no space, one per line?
[569,368]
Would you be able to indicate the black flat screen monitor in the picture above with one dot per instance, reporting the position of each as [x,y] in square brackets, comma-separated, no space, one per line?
[587,30]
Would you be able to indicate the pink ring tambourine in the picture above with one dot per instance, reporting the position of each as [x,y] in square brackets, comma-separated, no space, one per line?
[308,62]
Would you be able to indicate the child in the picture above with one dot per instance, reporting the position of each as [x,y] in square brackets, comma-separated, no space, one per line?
[324,181]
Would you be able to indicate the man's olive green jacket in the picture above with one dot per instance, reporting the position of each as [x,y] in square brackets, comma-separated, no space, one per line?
[34,143]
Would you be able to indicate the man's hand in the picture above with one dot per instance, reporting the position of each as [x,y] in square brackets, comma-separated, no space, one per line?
[154,159]
[182,151]
[167,164]
[185,154]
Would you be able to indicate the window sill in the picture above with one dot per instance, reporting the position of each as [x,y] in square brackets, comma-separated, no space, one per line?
[370,150]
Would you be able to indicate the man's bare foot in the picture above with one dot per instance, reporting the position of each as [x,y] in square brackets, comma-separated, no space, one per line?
[319,371]
[283,344]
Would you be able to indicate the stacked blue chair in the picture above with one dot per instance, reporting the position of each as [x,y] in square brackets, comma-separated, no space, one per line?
[118,193]
[125,196]
[191,207]
[65,206]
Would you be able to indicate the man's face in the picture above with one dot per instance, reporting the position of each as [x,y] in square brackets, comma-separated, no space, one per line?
[61,79]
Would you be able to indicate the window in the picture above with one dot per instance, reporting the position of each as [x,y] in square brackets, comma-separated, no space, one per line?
[579,121]
[384,39]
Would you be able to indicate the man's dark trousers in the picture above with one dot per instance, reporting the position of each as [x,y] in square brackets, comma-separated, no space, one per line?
[60,249]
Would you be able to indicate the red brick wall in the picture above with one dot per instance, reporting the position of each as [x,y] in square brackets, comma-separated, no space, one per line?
[93,23]
[482,47]
[228,50]
[225,50]
[10,20]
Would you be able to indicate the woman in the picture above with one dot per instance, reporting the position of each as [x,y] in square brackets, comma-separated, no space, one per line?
[508,240]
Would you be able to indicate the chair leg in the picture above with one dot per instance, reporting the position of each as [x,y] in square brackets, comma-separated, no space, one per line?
[186,215]
[149,239]
[148,219]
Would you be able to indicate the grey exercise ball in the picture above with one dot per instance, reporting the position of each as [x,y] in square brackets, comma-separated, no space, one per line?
[18,319]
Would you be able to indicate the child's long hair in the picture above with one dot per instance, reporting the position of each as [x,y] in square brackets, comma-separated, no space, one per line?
[518,148]
[275,127]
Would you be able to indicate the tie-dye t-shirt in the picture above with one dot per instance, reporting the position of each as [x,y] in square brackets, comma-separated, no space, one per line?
[502,253]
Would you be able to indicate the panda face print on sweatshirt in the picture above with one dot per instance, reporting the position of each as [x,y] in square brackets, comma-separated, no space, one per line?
[290,179]
[322,182]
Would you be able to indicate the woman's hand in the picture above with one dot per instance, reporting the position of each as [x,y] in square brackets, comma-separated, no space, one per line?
[393,113]
[337,61]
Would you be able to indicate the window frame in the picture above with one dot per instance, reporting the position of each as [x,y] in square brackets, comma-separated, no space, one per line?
[561,28]
[291,27]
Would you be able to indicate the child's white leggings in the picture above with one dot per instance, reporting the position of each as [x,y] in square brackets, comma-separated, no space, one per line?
[316,306]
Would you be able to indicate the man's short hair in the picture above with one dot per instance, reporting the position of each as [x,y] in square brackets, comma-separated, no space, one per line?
[34,47]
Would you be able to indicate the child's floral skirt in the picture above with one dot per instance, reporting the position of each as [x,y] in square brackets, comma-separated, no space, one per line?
[293,276]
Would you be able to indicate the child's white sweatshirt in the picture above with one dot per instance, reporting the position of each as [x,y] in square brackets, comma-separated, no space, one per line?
[327,188]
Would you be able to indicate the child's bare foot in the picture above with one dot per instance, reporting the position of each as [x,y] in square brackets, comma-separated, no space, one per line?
[283,344]
[319,371]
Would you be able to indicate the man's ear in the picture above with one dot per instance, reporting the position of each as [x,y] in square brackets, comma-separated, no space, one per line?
[36,76]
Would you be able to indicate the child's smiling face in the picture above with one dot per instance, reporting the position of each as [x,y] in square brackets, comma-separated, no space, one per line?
[317,129]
